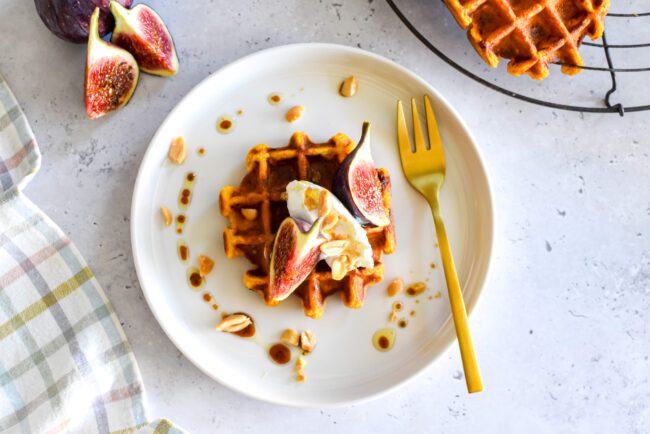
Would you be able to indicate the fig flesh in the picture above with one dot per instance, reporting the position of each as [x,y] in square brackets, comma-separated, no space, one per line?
[295,254]
[357,184]
[143,33]
[111,74]
[68,19]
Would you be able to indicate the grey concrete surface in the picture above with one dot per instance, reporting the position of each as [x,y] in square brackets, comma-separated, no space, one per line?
[561,330]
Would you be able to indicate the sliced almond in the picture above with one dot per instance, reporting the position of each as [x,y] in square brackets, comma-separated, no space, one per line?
[177,150]
[334,248]
[233,323]
[167,215]
[249,214]
[307,341]
[338,269]
[349,86]
[324,203]
[206,264]
[395,287]
[290,337]
[295,113]
[330,221]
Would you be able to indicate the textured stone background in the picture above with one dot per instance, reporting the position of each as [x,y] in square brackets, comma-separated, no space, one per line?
[561,329]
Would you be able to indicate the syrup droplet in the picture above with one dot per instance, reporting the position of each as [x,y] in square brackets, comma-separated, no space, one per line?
[397,306]
[183,250]
[225,125]
[180,223]
[402,323]
[416,289]
[201,151]
[185,196]
[280,353]
[274,98]
[195,280]
[383,339]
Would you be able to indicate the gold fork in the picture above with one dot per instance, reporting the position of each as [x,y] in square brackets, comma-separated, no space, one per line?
[425,170]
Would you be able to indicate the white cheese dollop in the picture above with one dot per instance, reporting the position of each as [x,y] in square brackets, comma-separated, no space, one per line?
[303,198]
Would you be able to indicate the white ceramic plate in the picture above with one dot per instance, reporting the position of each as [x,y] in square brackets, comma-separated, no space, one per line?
[345,367]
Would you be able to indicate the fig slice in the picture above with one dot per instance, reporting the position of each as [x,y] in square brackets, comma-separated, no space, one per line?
[111,74]
[143,33]
[357,184]
[295,254]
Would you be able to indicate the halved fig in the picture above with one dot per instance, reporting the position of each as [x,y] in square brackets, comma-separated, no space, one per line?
[111,74]
[143,33]
[68,19]
[357,184]
[295,254]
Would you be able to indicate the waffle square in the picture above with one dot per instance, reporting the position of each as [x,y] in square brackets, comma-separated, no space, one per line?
[531,33]
[269,170]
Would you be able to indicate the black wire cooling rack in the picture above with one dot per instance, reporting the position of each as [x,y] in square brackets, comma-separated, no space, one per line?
[617,74]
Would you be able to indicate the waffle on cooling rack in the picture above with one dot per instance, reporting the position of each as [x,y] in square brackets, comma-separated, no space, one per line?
[269,170]
[531,33]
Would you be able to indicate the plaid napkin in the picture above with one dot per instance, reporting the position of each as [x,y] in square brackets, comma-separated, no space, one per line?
[65,363]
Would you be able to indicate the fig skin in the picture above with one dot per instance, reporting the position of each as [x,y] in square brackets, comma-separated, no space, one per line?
[68,19]
[143,33]
[295,254]
[351,171]
[111,74]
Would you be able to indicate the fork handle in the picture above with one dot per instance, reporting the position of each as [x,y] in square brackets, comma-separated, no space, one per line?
[459,314]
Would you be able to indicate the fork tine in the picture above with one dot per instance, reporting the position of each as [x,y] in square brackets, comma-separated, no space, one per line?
[432,127]
[402,133]
[417,128]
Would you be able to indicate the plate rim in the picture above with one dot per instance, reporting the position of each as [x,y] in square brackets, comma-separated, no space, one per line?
[470,304]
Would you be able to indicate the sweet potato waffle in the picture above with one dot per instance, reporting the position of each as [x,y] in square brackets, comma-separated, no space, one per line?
[531,33]
[269,170]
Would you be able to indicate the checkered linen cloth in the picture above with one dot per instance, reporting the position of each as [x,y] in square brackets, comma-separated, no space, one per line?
[65,363]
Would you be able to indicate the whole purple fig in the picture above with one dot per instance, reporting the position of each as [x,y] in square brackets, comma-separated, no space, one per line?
[68,19]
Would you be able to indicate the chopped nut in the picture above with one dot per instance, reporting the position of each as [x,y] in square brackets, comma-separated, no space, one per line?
[349,86]
[438,294]
[300,378]
[307,341]
[334,248]
[167,215]
[290,337]
[205,265]
[249,214]
[177,150]
[395,287]
[301,362]
[295,113]
[233,323]
[393,316]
